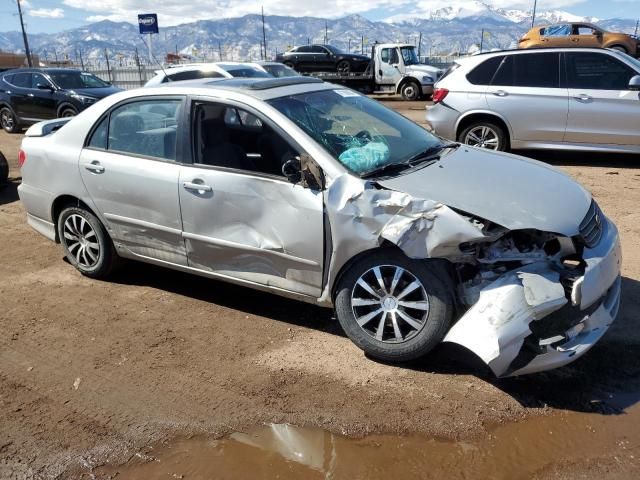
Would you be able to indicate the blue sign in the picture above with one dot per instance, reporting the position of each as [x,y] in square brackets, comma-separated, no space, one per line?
[148,23]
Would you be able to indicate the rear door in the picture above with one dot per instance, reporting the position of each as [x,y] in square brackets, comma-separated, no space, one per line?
[556,35]
[602,110]
[526,91]
[130,170]
[242,218]
[21,96]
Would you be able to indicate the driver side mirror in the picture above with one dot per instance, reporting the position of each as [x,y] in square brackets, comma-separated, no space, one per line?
[304,170]
[40,86]
[292,169]
[634,83]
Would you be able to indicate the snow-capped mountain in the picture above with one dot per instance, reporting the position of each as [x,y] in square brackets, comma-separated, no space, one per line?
[450,30]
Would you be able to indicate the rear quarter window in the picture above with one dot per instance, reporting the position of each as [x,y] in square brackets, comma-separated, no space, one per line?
[483,73]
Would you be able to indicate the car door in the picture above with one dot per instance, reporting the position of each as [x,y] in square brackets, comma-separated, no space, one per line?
[20,95]
[585,36]
[556,36]
[526,92]
[324,59]
[242,218]
[43,102]
[602,109]
[388,72]
[130,170]
[304,58]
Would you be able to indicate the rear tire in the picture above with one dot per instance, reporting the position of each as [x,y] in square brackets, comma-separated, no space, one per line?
[343,66]
[411,91]
[9,121]
[485,134]
[410,322]
[86,243]
[4,170]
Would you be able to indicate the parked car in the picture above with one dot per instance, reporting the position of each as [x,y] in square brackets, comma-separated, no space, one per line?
[196,71]
[568,99]
[312,191]
[580,35]
[4,170]
[277,69]
[30,95]
[313,58]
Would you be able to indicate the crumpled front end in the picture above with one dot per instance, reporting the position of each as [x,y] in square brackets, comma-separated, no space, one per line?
[548,311]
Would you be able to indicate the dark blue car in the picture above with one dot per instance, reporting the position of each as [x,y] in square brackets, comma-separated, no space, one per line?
[30,95]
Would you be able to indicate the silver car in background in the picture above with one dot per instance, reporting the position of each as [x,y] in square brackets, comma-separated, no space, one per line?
[313,191]
[561,98]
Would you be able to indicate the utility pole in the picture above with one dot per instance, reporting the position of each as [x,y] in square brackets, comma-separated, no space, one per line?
[419,45]
[219,50]
[326,33]
[264,36]
[637,25]
[362,45]
[24,36]
[533,17]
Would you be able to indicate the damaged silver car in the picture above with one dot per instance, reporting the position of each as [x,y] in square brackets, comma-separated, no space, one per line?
[315,192]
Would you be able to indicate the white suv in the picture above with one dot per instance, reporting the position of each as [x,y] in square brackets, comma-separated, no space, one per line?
[562,98]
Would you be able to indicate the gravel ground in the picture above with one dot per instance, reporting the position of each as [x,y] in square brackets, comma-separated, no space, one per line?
[91,372]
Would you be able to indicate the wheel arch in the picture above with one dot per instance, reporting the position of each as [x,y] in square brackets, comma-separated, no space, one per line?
[63,201]
[471,117]
[404,80]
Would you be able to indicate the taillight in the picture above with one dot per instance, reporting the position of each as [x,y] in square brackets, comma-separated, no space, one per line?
[439,94]
[22,157]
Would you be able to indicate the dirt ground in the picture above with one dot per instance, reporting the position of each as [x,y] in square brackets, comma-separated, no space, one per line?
[93,372]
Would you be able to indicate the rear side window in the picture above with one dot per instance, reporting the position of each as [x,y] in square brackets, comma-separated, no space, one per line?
[597,71]
[556,31]
[194,74]
[22,80]
[305,49]
[99,136]
[147,128]
[483,73]
[540,70]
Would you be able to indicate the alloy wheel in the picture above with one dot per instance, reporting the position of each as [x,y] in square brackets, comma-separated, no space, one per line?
[483,137]
[6,120]
[81,241]
[390,304]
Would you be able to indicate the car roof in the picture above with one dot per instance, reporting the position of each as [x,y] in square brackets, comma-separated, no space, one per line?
[259,88]
[518,51]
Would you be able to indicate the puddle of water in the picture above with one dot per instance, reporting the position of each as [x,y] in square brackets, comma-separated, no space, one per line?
[511,451]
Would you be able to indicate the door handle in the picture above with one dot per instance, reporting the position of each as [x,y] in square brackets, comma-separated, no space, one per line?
[500,93]
[199,187]
[583,97]
[94,167]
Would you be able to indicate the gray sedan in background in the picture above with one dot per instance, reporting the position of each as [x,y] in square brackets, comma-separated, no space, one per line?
[315,192]
[563,98]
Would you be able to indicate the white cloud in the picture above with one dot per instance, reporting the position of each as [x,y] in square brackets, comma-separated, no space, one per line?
[46,12]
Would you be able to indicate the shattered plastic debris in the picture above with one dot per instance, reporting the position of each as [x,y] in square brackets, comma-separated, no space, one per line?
[76,383]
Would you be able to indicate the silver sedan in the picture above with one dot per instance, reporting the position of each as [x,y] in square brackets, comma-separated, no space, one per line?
[315,192]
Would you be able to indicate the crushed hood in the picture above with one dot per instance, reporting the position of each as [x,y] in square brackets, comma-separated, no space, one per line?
[511,191]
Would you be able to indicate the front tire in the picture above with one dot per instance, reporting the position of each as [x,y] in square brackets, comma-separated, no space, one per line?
[9,121]
[68,112]
[343,66]
[485,134]
[86,243]
[411,91]
[394,308]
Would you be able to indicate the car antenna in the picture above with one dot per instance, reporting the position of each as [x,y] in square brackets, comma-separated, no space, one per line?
[153,57]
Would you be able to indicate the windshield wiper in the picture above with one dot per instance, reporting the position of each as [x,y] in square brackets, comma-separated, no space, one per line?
[432,152]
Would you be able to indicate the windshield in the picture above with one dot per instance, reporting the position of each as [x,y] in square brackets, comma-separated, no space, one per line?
[73,79]
[334,50]
[359,132]
[246,72]
[409,55]
[280,71]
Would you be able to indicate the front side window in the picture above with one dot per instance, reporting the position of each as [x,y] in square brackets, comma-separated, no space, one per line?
[231,137]
[409,55]
[38,80]
[597,71]
[70,79]
[540,70]
[389,55]
[584,30]
[359,132]
[147,128]
[305,49]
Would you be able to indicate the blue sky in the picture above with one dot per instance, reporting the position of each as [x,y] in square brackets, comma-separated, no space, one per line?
[58,15]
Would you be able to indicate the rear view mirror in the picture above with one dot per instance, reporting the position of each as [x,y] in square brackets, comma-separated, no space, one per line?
[634,83]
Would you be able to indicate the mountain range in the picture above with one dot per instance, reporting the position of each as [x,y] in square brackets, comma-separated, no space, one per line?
[445,31]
